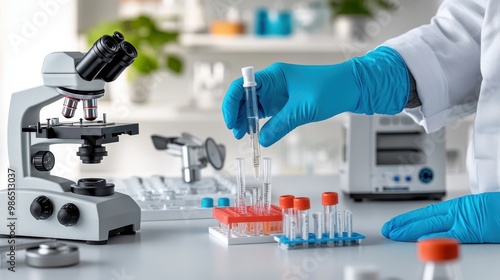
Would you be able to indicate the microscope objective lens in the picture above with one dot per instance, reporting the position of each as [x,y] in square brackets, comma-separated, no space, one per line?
[90,109]
[69,107]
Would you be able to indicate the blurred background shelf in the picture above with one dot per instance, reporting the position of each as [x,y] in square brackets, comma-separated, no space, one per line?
[124,112]
[260,44]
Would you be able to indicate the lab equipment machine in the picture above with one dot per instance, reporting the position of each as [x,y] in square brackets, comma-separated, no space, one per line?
[391,157]
[195,153]
[45,205]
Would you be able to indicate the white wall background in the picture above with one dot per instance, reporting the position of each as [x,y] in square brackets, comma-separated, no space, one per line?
[30,30]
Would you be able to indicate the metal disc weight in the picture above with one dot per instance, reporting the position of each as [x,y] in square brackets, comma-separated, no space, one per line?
[52,254]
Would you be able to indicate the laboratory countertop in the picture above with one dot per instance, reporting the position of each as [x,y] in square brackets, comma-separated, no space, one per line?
[185,250]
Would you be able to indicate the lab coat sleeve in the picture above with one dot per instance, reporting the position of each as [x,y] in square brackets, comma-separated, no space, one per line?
[444,57]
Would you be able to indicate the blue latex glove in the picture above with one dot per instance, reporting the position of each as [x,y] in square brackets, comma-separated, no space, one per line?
[469,219]
[294,95]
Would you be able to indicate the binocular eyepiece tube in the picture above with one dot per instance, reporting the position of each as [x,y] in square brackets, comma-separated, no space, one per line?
[107,58]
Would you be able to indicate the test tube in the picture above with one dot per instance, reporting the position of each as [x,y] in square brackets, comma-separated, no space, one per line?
[301,206]
[256,200]
[286,205]
[292,221]
[348,223]
[329,201]
[319,228]
[332,220]
[266,188]
[339,228]
[240,183]
[249,85]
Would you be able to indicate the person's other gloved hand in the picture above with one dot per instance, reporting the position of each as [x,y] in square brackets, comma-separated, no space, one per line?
[294,95]
[469,219]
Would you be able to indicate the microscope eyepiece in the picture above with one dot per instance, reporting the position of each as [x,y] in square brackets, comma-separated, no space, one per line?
[100,54]
[123,58]
[118,37]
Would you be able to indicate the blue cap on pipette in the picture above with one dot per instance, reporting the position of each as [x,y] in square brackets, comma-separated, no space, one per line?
[207,202]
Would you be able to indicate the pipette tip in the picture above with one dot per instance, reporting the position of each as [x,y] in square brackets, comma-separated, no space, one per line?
[256,173]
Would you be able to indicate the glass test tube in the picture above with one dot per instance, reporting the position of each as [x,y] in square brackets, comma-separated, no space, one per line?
[240,186]
[256,202]
[266,189]
[286,205]
[320,225]
[301,206]
[329,201]
[348,223]
[332,220]
[339,228]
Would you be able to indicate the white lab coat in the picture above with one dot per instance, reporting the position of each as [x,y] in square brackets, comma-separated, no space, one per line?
[455,61]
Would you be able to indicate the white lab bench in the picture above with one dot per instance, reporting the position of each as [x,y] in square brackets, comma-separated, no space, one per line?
[185,250]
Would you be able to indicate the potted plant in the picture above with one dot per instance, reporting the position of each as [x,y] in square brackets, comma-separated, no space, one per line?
[350,16]
[150,41]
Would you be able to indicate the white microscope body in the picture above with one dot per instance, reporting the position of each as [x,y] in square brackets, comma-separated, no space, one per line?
[48,206]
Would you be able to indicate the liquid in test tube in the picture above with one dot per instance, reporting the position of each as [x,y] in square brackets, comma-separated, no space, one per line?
[266,188]
[240,186]
[252,108]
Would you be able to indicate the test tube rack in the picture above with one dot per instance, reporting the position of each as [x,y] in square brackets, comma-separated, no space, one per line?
[323,241]
[249,227]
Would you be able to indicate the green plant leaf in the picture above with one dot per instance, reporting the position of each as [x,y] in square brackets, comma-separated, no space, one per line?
[174,63]
[359,7]
[145,64]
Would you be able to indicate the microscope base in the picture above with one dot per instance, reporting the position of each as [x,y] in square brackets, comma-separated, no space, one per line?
[99,217]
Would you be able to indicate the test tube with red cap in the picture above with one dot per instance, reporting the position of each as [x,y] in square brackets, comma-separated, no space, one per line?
[330,201]
[301,206]
[286,205]
[440,258]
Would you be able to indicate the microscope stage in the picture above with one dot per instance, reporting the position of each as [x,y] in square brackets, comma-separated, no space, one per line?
[81,130]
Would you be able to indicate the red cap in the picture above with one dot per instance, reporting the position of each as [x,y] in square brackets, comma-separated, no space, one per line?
[286,201]
[301,203]
[330,198]
[438,249]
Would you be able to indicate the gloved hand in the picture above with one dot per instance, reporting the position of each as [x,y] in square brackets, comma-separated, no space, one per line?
[294,95]
[469,219]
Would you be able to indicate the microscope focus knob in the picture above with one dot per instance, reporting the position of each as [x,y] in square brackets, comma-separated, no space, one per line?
[68,215]
[44,161]
[41,208]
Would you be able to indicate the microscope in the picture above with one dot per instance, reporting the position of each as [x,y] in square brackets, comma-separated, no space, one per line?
[195,153]
[49,206]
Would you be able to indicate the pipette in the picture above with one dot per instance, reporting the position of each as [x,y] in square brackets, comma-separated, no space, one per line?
[249,85]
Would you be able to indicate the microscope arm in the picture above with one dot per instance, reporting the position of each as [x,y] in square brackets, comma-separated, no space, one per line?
[24,110]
